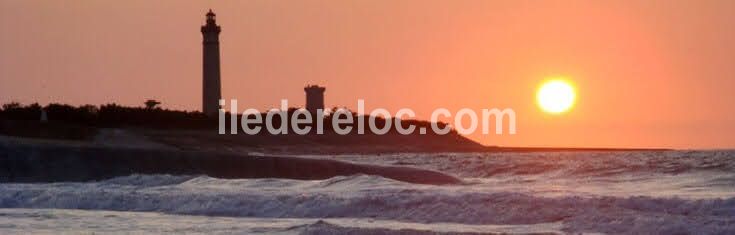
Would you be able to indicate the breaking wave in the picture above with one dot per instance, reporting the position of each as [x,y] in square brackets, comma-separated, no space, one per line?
[363,196]
[670,192]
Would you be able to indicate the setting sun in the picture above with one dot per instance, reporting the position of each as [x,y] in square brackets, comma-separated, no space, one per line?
[556,96]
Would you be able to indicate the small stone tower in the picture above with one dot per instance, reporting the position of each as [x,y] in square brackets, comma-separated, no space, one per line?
[314,98]
[211,85]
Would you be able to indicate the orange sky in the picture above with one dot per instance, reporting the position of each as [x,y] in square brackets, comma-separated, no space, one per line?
[648,73]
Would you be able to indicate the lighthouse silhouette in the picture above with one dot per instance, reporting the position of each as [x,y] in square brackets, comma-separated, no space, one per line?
[211,85]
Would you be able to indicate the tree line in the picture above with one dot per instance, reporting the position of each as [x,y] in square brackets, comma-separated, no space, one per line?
[115,116]
[108,115]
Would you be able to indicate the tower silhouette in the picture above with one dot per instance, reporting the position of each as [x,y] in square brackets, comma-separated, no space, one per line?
[314,98]
[211,85]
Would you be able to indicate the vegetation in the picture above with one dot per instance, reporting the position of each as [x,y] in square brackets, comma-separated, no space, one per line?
[167,126]
[113,115]
[109,115]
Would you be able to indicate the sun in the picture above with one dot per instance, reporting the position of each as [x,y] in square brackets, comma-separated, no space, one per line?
[556,96]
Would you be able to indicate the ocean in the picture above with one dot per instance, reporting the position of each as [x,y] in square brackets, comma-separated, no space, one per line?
[662,192]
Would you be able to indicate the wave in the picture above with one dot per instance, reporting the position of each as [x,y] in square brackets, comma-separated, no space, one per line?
[398,228]
[363,196]
[148,180]
[21,163]
[561,164]
[55,221]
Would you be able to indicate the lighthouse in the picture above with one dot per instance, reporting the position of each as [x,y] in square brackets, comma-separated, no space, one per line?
[211,85]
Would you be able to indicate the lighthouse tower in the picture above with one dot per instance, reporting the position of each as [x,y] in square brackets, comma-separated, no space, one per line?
[211,85]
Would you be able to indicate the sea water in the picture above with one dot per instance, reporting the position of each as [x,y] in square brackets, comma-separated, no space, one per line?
[663,192]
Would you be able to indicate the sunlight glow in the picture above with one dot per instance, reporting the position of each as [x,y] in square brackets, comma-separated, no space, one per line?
[556,96]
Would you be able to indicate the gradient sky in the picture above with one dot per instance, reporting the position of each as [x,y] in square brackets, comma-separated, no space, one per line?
[649,73]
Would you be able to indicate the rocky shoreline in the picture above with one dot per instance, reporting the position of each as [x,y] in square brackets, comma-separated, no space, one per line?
[57,162]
